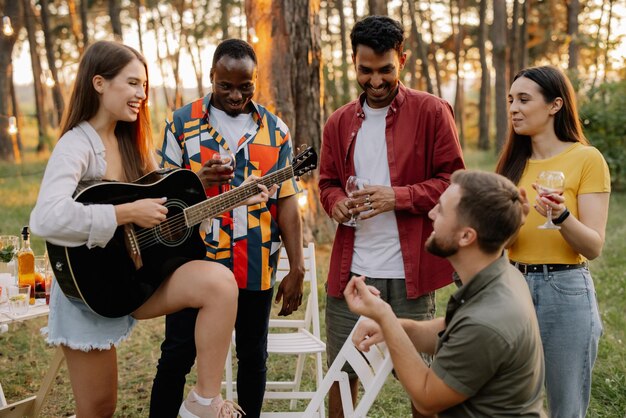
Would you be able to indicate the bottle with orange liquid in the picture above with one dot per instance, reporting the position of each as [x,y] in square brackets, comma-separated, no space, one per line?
[26,264]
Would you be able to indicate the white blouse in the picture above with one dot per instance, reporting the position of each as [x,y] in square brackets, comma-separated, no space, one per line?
[79,155]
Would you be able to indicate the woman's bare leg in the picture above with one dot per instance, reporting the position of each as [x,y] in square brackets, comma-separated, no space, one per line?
[93,375]
[212,288]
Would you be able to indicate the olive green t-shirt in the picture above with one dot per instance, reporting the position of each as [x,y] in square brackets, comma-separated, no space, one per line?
[491,348]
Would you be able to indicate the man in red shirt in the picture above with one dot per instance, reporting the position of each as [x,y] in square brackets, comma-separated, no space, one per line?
[402,146]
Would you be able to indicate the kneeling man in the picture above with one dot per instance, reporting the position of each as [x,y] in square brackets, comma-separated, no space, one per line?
[488,358]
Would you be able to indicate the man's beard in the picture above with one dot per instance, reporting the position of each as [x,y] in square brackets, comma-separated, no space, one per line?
[440,249]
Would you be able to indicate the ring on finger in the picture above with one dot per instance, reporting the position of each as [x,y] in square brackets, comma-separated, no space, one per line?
[367,200]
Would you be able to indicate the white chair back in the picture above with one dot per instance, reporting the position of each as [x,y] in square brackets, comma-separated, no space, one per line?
[372,368]
[297,337]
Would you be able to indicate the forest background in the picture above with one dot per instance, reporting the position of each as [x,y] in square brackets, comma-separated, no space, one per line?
[465,51]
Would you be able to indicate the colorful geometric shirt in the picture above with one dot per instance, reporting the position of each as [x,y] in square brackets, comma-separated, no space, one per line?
[246,239]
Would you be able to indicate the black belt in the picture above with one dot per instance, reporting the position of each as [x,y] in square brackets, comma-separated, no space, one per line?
[538,268]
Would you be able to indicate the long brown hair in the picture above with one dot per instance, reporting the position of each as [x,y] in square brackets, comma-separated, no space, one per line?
[567,127]
[134,139]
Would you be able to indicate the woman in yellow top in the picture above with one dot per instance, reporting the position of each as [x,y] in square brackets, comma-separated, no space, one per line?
[545,134]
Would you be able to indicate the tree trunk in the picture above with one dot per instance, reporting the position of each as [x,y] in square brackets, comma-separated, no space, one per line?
[74,25]
[378,7]
[116,23]
[420,48]
[166,95]
[289,59]
[196,63]
[411,45]
[84,5]
[259,17]
[573,9]
[607,61]
[345,81]
[499,64]
[139,8]
[330,96]
[57,97]
[355,12]
[485,80]
[458,41]
[31,30]
[432,51]
[225,17]
[174,55]
[17,143]
[513,67]
[8,144]
[597,49]
[523,36]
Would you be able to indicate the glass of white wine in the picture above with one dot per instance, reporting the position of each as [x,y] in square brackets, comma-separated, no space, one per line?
[353,184]
[550,183]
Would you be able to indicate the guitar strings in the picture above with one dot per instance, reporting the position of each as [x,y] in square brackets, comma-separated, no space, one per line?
[172,225]
[178,223]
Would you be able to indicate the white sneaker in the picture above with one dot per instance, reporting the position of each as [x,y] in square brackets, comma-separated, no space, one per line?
[219,408]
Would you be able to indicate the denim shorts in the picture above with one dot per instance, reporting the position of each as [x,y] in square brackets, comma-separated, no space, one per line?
[340,320]
[72,324]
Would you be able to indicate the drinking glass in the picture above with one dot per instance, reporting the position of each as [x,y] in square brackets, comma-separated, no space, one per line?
[48,284]
[228,160]
[42,271]
[227,157]
[550,183]
[353,184]
[8,249]
[19,297]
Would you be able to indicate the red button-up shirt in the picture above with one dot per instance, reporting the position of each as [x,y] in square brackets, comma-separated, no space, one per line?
[423,151]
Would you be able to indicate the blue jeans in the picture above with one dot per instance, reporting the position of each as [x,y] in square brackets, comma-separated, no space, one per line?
[570,327]
[178,353]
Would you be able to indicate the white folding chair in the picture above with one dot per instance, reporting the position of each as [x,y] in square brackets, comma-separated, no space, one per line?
[299,337]
[372,368]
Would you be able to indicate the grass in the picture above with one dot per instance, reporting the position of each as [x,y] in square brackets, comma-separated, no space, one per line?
[24,355]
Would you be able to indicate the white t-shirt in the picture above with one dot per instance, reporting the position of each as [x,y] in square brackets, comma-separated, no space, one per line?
[376,242]
[232,128]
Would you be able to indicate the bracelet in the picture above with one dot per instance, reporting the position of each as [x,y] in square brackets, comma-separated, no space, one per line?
[562,217]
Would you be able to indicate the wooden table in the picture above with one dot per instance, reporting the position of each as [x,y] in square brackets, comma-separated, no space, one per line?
[31,406]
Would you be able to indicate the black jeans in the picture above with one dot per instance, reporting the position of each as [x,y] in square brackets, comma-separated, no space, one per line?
[178,353]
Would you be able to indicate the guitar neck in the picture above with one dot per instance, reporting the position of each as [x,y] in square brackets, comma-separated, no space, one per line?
[233,198]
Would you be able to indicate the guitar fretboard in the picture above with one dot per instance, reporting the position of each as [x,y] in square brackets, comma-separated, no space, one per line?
[233,198]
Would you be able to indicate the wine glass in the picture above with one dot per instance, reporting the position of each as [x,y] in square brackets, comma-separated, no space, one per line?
[227,159]
[549,183]
[353,184]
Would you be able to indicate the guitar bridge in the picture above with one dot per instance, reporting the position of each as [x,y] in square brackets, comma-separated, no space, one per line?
[132,246]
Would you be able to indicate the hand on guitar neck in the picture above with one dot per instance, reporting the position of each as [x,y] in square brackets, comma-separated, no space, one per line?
[264,193]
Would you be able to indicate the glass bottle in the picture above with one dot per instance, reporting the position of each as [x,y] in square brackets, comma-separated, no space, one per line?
[26,264]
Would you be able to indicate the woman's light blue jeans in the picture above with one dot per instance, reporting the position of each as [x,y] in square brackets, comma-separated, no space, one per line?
[570,325]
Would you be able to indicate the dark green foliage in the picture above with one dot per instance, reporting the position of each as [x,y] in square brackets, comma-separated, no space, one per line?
[604,119]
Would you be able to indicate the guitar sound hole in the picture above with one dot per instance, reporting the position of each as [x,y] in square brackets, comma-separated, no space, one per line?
[171,233]
[174,229]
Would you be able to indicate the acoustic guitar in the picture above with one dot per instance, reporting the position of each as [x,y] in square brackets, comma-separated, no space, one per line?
[117,279]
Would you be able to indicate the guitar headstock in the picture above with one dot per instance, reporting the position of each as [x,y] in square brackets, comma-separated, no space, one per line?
[305,161]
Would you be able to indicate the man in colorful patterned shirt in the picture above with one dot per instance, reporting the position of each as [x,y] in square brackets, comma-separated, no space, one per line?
[248,238]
